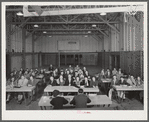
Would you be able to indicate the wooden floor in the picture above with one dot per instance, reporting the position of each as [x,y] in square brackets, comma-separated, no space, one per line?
[128,104]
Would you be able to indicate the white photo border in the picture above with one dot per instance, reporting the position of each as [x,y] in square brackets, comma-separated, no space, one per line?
[73,114]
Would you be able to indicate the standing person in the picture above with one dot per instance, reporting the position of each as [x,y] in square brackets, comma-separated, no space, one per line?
[81,100]
[58,101]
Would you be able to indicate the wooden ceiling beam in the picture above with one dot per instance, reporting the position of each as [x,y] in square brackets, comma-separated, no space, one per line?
[114,28]
[112,22]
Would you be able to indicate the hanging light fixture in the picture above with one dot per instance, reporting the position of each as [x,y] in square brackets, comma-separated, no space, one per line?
[36,26]
[94,25]
[20,14]
[103,13]
[44,32]
[89,31]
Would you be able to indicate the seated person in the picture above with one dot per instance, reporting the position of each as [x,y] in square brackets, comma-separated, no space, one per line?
[114,81]
[108,74]
[119,74]
[61,80]
[55,74]
[26,75]
[62,73]
[121,94]
[81,100]
[12,82]
[139,82]
[52,82]
[77,68]
[80,72]
[76,74]
[86,74]
[70,68]
[76,82]
[102,74]
[32,82]
[22,70]
[94,82]
[58,101]
[22,82]
[51,68]
[36,72]
[114,71]
[10,76]
[66,74]
[69,81]
[84,70]
[85,82]
[131,81]
[71,72]
[41,72]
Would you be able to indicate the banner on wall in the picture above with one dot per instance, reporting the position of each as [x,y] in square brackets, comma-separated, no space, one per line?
[67,45]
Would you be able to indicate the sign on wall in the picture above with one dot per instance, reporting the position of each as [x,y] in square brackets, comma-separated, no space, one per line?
[69,45]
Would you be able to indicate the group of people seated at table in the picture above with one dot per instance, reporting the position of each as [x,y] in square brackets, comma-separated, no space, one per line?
[67,77]
[130,81]
[70,77]
[80,100]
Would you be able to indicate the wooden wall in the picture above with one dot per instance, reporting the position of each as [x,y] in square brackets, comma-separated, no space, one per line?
[131,62]
[50,44]
[130,37]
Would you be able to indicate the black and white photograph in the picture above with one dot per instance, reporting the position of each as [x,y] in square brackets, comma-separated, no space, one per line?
[74,60]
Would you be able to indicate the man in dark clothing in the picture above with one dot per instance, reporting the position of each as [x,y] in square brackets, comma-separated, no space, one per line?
[51,68]
[81,100]
[58,101]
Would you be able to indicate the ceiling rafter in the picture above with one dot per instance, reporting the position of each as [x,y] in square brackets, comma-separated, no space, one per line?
[101,32]
[20,26]
[114,28]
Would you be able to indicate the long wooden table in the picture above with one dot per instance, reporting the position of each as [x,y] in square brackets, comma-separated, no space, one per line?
[125,88]
[24,89]
[95,100]
[128,88]
[63,89]
[106,80]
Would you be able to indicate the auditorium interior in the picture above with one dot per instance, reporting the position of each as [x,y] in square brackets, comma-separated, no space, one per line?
[97,37]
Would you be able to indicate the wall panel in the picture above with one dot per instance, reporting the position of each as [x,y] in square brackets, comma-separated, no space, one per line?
[50,45]
[16,62]
[29,61]
[36,60]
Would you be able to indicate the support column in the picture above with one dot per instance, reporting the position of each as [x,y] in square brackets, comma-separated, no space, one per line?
[8,49]
[33,54]
[23,48]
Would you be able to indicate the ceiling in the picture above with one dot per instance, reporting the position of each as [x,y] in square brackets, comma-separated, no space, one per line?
[64,24]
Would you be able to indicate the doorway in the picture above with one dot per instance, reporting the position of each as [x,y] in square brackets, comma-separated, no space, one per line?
[115,61]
